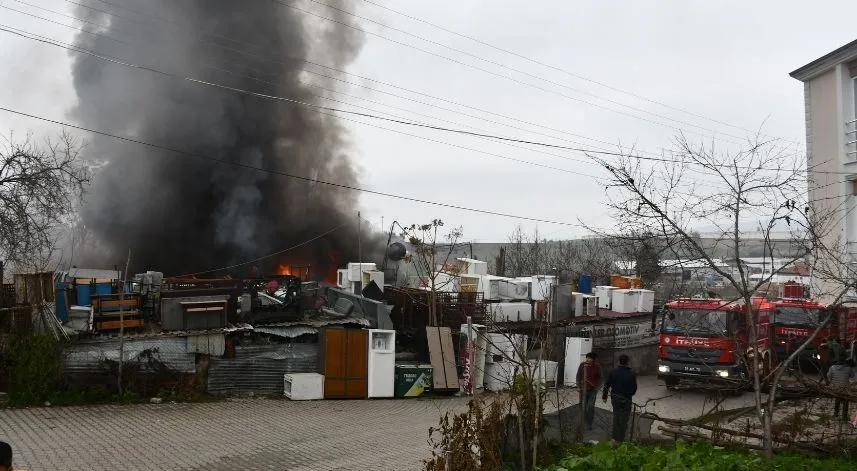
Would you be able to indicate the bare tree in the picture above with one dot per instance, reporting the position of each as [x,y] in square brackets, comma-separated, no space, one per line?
[761,184]
[433,259]
[39,188]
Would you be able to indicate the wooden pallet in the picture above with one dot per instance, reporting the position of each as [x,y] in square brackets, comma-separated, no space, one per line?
[116,325]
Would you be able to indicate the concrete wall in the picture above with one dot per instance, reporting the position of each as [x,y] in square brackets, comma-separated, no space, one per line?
[644,360]
[825,152]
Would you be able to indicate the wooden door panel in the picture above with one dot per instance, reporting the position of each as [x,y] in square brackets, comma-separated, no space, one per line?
[334,353]
[334,388]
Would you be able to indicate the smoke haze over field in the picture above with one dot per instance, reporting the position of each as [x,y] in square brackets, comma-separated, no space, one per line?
[179,214]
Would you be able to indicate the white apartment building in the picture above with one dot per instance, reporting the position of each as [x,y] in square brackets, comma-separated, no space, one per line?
[830,99]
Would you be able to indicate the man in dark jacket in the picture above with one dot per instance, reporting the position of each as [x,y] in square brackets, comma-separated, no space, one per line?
[623,383]
[5,457]
[588,380]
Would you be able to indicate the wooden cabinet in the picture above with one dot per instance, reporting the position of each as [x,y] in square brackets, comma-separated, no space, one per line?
[344,362]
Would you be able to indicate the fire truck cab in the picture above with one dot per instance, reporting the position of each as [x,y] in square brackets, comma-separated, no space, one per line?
[793,321]
[708,340]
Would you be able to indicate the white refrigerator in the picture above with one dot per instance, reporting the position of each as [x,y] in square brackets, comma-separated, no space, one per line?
[381,362]
[503,360]
[576,349]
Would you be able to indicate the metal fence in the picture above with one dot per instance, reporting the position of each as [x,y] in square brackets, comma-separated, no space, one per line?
[260,368]
[411,308]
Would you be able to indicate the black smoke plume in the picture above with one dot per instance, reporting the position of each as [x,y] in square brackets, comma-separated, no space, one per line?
[179,214]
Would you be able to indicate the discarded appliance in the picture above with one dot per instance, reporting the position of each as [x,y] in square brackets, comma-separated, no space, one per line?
[646,301]
[541,286]
[544,372]
[510,312]
[605,296]
[470,266]
[513,289]
[381,363]
[346,304]
[626,301]
[489,285]
[343,360]
[194,312]
[576,349]
[356,275]
[273,300]
[504,360]
[412,380]
[585,305]
[303,386]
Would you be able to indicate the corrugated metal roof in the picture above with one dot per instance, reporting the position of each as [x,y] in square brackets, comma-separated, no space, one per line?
[315,323]
[287,332]
[90,273]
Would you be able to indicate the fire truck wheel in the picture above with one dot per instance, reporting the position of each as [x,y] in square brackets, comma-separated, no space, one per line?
[671,382]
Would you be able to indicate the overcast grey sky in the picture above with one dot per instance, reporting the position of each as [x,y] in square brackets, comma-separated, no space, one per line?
[726,60]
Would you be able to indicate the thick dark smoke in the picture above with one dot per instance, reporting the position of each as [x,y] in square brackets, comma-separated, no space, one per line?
[180,214]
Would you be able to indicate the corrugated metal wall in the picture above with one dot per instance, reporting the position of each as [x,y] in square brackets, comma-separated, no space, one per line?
[210,344]
[260,369]
[90,357]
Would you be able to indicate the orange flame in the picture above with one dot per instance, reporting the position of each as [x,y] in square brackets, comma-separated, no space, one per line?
[283,269]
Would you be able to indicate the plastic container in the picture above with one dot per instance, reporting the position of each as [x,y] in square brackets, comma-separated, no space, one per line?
[103,288]
[84,295]
[620,282]
[585,284]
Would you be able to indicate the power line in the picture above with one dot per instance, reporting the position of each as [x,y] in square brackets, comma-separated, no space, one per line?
[558,69]
[340,71]
[330,110]
[280,252]
[318,108]
[510,78]
[285,174]
[330,90]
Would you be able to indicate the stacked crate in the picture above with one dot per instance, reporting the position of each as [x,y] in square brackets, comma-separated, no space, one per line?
[110,312]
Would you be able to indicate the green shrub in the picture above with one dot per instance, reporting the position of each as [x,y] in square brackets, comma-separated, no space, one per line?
[683,456]
[35,365]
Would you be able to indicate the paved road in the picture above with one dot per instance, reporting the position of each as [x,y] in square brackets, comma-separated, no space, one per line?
[253,434]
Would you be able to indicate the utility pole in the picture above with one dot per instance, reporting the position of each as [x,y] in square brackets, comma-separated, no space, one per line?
[122,321]
[359,252]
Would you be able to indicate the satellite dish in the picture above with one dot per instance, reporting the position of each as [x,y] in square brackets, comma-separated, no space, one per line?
[396,251]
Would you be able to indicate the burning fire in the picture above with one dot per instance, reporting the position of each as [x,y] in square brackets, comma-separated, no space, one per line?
[332,266]
[283,269]
[307,273]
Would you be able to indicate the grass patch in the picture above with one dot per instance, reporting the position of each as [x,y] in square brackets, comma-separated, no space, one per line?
[684,456]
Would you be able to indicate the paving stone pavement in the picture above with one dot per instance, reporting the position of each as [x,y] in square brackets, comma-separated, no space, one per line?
[246,434]
[257,434]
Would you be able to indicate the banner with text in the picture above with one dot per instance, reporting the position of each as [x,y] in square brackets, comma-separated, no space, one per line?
[629,335]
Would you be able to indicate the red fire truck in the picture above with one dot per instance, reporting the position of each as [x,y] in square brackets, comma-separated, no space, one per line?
[708,340]
[793,321]
[794,317]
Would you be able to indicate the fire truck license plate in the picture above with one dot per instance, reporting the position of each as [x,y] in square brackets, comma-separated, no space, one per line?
[694,369]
